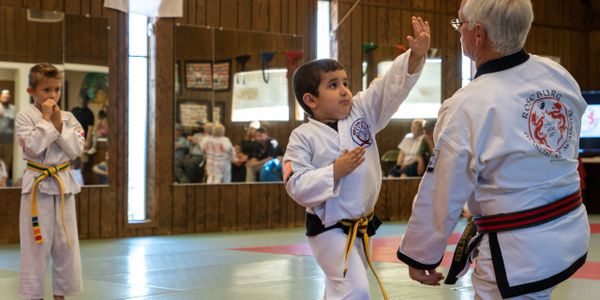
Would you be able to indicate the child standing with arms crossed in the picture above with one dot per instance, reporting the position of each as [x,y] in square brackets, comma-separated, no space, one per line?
[323,165]
[50,138]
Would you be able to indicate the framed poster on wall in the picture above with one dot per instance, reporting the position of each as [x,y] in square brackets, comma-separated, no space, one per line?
[222,75]
[198,75]
[192,113]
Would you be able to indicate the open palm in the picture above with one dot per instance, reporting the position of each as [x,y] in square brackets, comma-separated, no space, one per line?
[419,44]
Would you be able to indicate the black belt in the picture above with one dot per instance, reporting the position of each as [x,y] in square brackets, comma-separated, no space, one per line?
[505,222]
[314,226]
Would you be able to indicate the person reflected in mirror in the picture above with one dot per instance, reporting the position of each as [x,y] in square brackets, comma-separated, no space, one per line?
[77,171]
[86,118]
[238,166]
[219,155]
[7,109]
[268,149]
[331,165]
[3,174]
[50,139]
[406,163]
[7,123]
[193,163]
[101,170]
[181,148]
[100,132]
[251,147]
[426,147]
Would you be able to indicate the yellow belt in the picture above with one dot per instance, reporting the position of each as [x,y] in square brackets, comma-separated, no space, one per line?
[46,172]
[357,226]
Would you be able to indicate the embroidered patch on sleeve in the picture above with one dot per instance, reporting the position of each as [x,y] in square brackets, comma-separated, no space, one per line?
[433,160]
[288,171]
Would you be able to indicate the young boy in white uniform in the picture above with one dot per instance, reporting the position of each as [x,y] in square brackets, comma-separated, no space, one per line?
[323,164]
[50,138]
[507,145]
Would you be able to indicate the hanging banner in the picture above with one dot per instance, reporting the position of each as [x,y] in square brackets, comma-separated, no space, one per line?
[149,8]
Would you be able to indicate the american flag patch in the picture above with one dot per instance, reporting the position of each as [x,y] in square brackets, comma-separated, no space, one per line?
[288,171]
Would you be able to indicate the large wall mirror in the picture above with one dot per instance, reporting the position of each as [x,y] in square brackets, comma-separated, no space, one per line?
[235,85]
[78,46]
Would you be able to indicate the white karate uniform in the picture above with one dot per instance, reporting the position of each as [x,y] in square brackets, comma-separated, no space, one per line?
[506,142]
[311,151]
[219,154]
[43,144]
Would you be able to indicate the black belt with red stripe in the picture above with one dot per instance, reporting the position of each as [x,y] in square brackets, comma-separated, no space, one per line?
[530,217]
[505,222]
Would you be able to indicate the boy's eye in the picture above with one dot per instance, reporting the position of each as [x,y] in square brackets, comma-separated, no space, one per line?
[346,83]
[333,85]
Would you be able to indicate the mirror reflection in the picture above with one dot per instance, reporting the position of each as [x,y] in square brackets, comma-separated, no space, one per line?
[227,95]
[76,45]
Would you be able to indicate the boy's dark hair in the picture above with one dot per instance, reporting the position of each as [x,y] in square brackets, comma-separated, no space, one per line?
[42,71]
[308,77]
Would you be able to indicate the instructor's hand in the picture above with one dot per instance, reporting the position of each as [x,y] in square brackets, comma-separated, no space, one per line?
[430,277]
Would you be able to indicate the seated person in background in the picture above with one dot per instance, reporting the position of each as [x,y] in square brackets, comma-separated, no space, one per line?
[76,170]
[250,146]
[3,174]
[193,163]
[406,164]
[426,148]
[101,169]
[219,155]
[269,149]
[101,131]
[181,150]
[238,166]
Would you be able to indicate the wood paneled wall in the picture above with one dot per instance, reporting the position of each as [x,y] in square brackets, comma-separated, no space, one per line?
[102,211]
[29,41]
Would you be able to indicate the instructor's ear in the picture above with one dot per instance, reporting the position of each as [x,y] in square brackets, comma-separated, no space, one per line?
[480,34]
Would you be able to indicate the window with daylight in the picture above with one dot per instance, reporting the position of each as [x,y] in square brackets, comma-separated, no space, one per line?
[260,95]
[137,116]
[425,98]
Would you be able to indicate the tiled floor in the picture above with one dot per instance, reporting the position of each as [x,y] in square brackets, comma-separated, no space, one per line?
[251,265]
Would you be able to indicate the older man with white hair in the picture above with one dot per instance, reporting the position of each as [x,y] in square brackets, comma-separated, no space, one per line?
[507,145]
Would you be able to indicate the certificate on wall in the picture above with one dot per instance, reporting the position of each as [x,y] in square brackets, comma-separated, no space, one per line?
[221,75]
[193,112]
[198,75]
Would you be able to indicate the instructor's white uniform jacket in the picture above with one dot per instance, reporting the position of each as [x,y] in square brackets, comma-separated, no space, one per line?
[314,146]
[506,142]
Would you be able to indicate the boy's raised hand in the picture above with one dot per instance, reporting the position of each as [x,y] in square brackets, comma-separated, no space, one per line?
[347,162]
[419,44]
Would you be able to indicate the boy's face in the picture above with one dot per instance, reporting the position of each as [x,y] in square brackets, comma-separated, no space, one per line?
[48,88]
[334,100]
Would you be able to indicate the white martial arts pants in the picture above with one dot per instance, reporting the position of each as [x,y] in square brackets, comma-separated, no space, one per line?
[328,249]
[484,279]
[66,261]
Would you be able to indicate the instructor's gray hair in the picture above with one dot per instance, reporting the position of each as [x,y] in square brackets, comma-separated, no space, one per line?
[506,22]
